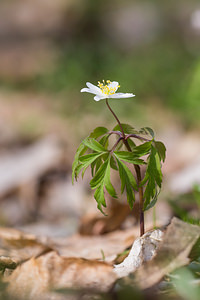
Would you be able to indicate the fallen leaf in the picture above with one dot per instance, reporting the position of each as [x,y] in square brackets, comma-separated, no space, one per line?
[7,263]
[173,253]
[92,247]
[35,160]
[19,246]
[143,249]
[34,278]
[116,215]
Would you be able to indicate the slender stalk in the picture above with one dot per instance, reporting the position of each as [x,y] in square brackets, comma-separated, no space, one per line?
[137,137]
[141,201]
[154,217]
[118,121]
[137,170]
[115,145]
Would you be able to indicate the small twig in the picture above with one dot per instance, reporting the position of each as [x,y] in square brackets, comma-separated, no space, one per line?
[118,121]
[137,137]
[115,132]
[115,145]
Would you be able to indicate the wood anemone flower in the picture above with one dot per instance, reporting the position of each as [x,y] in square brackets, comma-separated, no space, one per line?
[105,90]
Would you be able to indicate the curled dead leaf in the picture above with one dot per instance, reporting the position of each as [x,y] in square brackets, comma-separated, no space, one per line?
[174,252]
[19,246]
[37,276]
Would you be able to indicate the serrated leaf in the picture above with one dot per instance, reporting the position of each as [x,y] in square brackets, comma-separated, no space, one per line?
[153,177]
[89,158]
[127,181]
[96,165]
[99,176]
[160,147]
[100,198]
[94,145]
[131,144]
[78,170]
[126,128]
[99,131]
[153,201]
[150,194]
[85,161]
[113,163]
[122,175]
[130,196]
[147,131]
[142,149]
[101,180]
[129,157]
[158,172]
[109,187]
[104,141]
[80,150]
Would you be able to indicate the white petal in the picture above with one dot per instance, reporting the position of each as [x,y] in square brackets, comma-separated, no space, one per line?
[87,91]
[114,85]
[98,98]
[121,95]
[94,88]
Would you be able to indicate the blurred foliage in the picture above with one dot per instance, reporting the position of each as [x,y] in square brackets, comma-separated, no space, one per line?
[187,206]
[165,68]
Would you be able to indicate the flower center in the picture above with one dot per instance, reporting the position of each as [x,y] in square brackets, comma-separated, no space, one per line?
[106,88]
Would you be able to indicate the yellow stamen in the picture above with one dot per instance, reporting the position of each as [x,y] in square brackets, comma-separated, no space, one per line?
[106,89]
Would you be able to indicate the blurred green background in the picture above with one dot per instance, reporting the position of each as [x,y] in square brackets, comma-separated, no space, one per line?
[49,49]
[152,48]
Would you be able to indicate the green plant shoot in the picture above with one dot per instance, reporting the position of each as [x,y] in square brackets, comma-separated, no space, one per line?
[96,153]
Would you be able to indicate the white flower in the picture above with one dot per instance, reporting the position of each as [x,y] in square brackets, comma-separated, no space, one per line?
[105,90]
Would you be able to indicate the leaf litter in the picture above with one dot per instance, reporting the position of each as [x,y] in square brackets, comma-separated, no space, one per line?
[77,262]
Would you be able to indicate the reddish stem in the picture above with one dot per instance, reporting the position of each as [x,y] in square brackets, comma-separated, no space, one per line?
[137,169]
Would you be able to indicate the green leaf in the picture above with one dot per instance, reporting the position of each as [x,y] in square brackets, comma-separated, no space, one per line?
[90,143]
[126,127]
[101,180]
[104,141]
[113,163]
[129,157]
[127,181]
[152,179]
[98,179]
[130,196]
[96,165]
[160,147]
[86,161]
[89,158]
[94,145]
[99,131]
[110,189]
[131,144]
[142,149]
[147,131]
[100,198]
[153,201]
[81,149]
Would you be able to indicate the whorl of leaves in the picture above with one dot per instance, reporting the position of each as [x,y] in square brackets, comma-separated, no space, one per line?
[93,152]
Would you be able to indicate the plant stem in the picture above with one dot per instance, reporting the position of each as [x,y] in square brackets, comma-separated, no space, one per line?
[141,200]
[137,170]
[115,145]
[118,121]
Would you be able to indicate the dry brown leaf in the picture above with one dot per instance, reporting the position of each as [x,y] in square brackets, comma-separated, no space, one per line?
[94,247]
[34,278]
[20,246]
[35,160]
[117,213]
[7,263]
[173,253]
